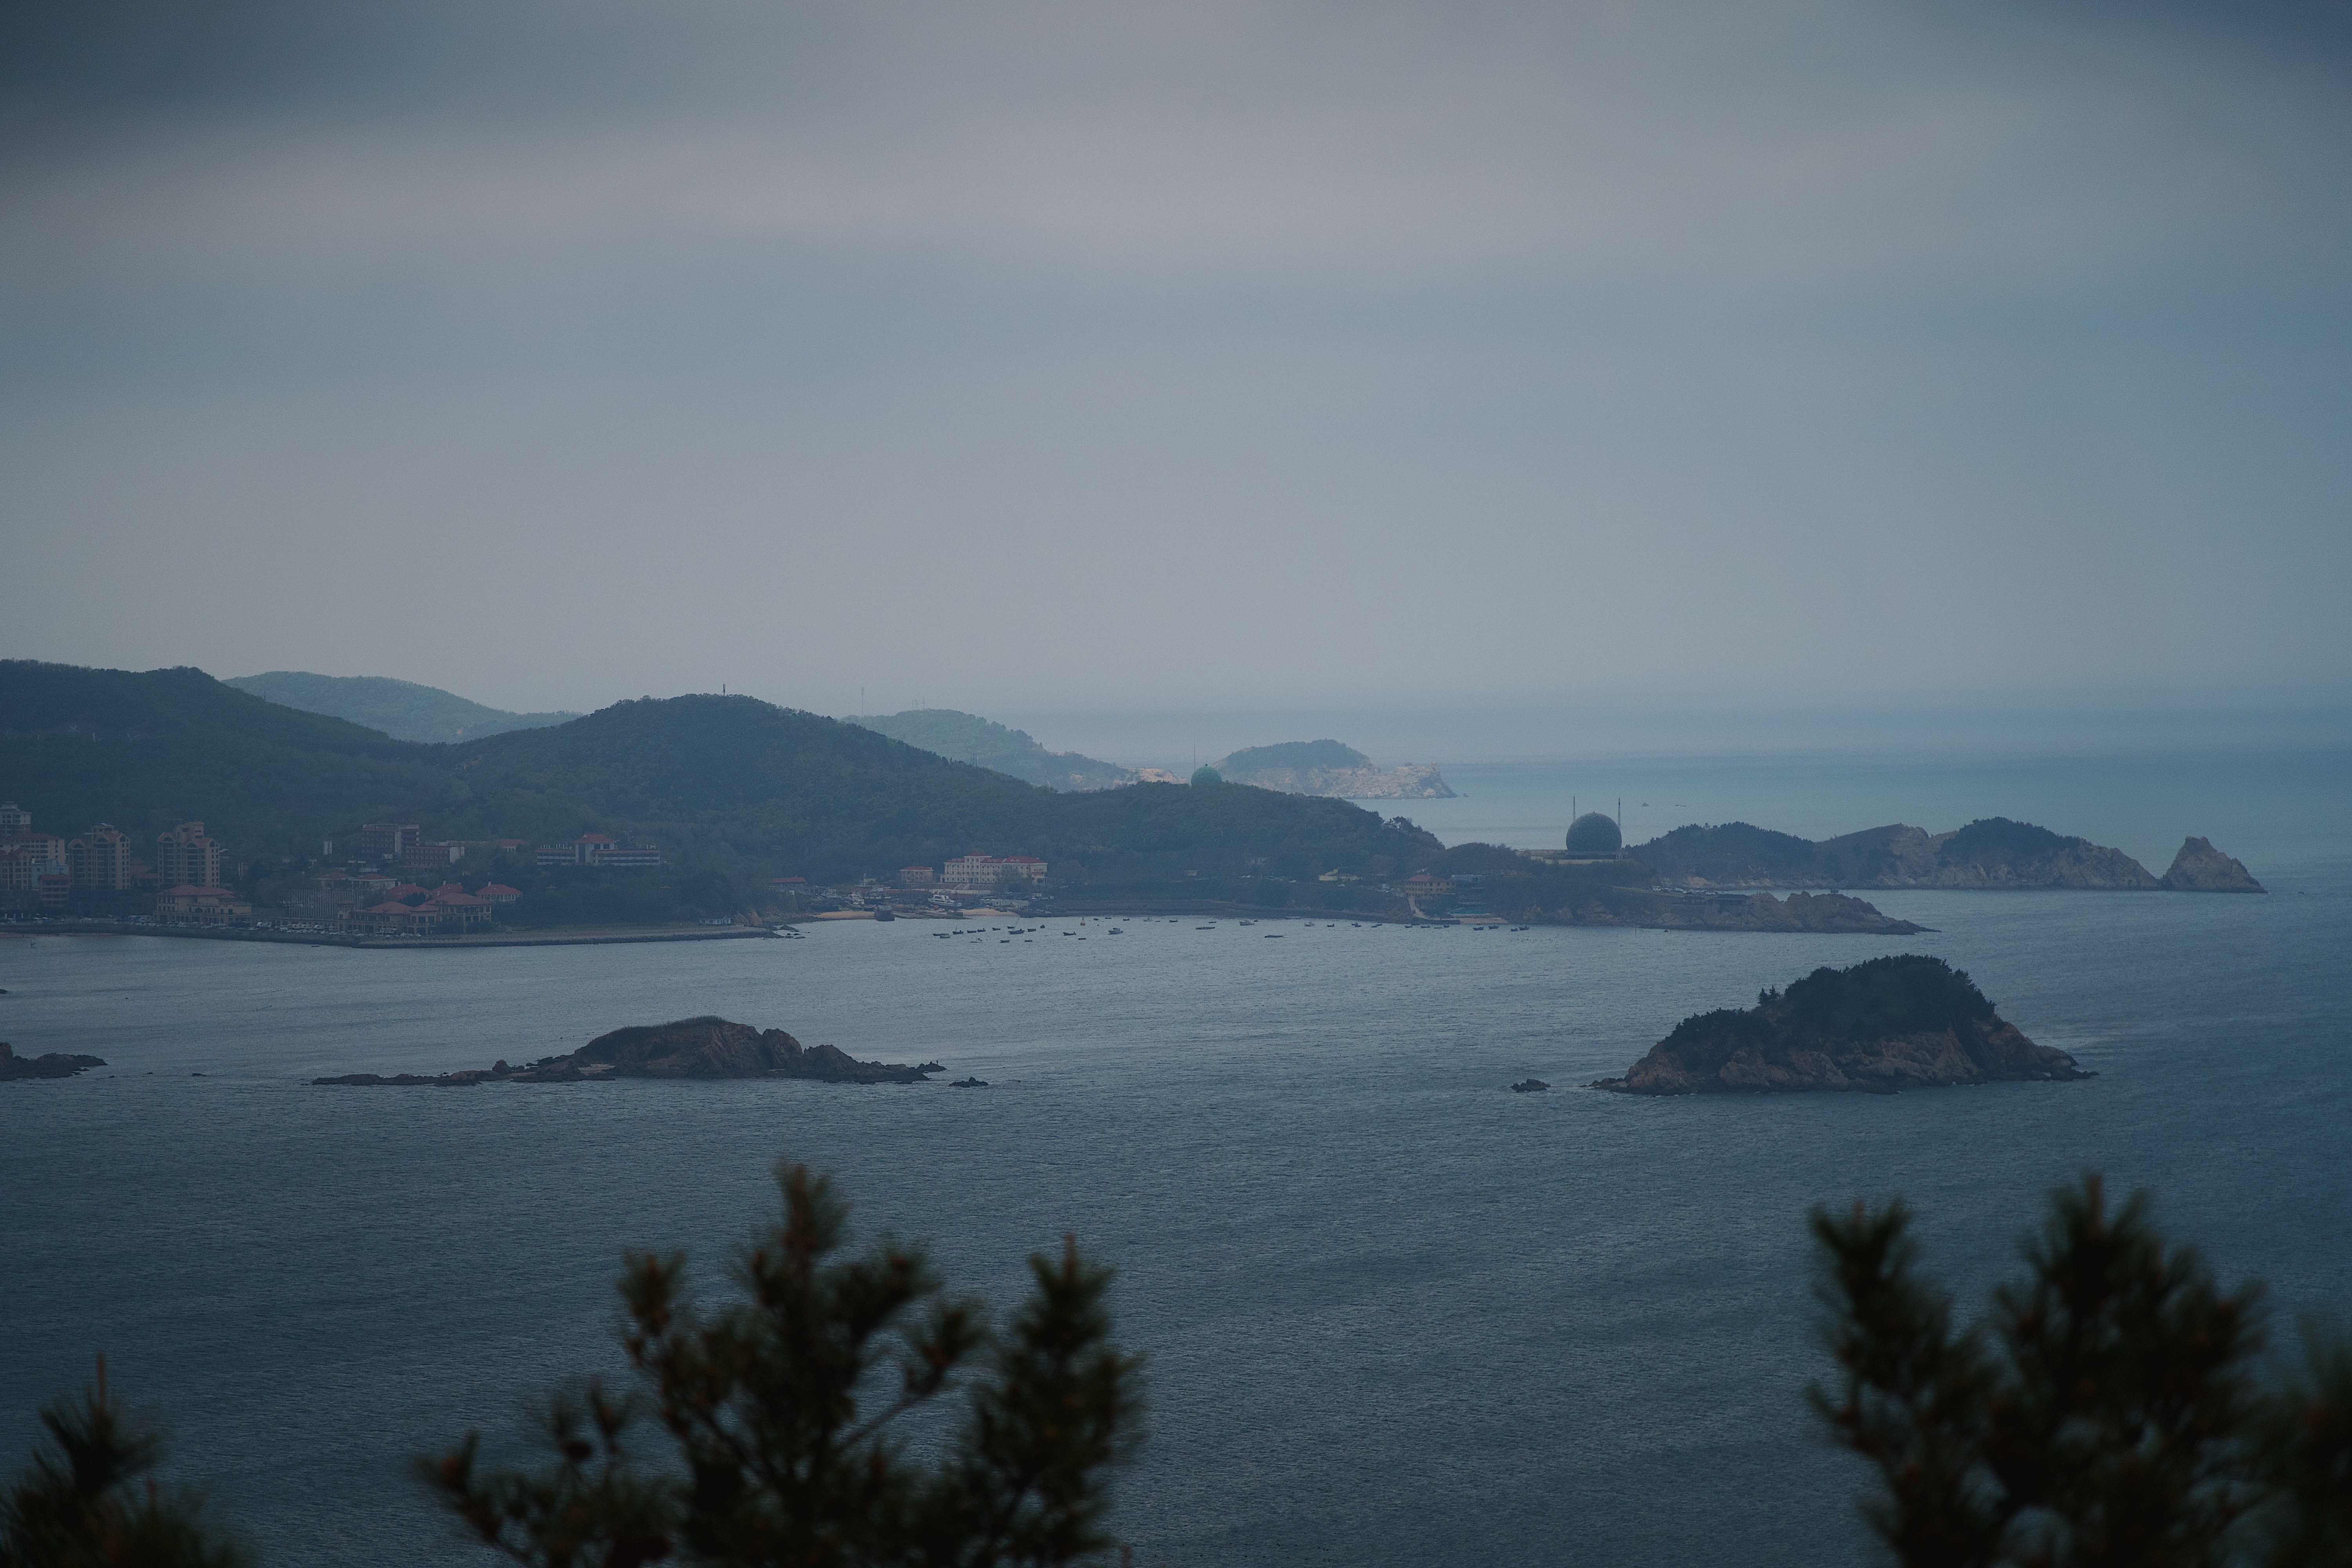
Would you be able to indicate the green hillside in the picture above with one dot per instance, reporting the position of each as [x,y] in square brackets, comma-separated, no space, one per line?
[734,790]
[401,709]
[149,750]
[968,737]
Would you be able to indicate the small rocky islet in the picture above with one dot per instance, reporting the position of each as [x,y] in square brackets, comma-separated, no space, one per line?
[55,1064]
[1877,1028]
[705,1047]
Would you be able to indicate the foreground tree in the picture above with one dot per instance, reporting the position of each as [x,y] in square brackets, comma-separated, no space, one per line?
[782,1413]
[87,1498]
[2106,1411]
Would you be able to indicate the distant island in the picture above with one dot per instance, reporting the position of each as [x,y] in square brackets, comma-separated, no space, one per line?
[705,1048]
[1890,1024]
[1991,852]
[400,709]
[968,738]
[1329,768]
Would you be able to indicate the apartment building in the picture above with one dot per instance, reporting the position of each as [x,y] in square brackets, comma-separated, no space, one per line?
[185,857]
[389,840]
[99,860]
[597,849]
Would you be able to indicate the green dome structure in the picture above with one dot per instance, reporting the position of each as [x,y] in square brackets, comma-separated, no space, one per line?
[1205,774]
[1594,834]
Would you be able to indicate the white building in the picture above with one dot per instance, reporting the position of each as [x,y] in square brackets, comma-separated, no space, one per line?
[978,873]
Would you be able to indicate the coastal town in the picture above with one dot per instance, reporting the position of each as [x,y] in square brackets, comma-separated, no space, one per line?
[396,882]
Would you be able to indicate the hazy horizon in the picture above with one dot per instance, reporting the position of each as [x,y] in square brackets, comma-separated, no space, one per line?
[1038,359]
[2110,723]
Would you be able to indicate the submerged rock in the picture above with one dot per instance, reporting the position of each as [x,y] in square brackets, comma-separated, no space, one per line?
[1891,1023]
[1530,1086]
[2201,869]
[705,1048]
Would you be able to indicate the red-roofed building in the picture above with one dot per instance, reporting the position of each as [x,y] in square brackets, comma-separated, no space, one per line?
[497,893]
[462,910]
[390,919]
[27,857]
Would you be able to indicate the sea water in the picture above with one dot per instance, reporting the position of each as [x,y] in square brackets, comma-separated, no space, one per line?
[1392,1312]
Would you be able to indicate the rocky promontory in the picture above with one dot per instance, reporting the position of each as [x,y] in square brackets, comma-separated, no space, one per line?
[55,1064]
[1890,1024]
[705,1048]
[2201,869]
[1762,911]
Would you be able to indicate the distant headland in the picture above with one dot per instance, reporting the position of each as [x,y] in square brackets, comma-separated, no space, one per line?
[1890,1024]
[1991,852]
[1329,768]
[400,709]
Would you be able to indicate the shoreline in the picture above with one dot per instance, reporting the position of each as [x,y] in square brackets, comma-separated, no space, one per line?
[571,938]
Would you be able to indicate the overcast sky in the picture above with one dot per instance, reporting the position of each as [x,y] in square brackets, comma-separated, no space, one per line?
[1033,357]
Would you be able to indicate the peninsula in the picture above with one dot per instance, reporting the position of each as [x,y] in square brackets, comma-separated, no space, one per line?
[705,1047]
[1880,1026]
[1329,768]
[983,742]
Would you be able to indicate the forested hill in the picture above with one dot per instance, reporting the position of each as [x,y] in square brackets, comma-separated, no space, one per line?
[968,738]
[401,709]
[731,782]
[144,750]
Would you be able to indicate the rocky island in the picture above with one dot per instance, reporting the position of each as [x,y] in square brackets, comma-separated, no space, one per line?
[2200,867]
[1329,768]
[1991,852]
[705,1048]
[55,1064]
[1887,1025]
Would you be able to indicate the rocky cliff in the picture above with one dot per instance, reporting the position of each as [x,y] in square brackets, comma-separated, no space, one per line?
[1890,1024]
[704,1047]
[2201,869]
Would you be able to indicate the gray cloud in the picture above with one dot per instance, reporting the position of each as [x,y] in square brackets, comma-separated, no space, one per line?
[1350,350]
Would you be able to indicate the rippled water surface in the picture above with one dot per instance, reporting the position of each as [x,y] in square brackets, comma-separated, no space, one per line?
[1393,1313]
